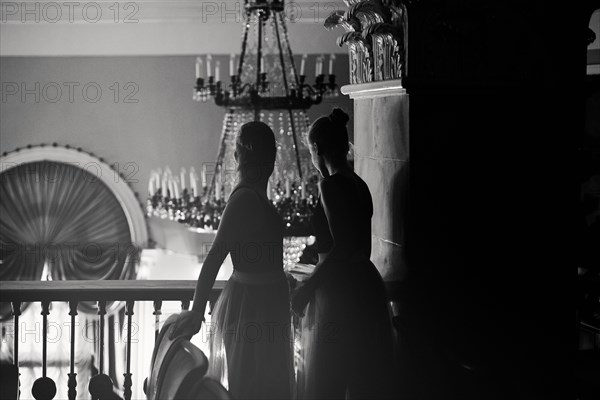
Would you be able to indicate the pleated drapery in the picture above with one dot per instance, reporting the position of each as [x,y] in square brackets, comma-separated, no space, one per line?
[66,218]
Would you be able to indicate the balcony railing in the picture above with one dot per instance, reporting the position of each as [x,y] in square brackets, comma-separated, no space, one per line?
[74,292]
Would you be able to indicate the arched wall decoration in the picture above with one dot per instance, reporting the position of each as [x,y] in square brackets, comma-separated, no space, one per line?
[121,190]
[70,211]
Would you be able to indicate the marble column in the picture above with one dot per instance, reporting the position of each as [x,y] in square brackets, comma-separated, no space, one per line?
[381,141]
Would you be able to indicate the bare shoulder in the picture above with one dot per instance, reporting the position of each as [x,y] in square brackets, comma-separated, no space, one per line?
[336,189]
[362,185]
[346,191]
[243,201]
[330,186]
[243,195]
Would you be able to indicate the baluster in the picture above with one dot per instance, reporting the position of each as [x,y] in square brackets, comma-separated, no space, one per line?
[101,386]
[185,305]
[157,313]
[101,314]
[127,374]
[45,312]
[72,384]
[44,387]
[16,311]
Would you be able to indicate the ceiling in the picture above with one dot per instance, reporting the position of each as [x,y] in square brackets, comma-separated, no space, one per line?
[150,27]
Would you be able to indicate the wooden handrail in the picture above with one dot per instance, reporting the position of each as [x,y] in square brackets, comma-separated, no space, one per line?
[137,290]
[132,290]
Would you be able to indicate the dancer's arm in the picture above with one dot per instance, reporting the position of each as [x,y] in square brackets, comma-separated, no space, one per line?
[339,217]
[238,217]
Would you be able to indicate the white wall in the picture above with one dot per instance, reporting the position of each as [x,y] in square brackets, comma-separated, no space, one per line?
[165,27]
[164,127]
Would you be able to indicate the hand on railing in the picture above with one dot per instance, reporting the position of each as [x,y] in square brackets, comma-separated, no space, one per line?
[187,325]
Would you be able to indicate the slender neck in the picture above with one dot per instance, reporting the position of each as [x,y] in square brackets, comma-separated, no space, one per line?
[259,185]
[335,166]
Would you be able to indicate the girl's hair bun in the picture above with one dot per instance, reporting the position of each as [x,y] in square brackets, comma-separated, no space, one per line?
[339,117]
[330,133]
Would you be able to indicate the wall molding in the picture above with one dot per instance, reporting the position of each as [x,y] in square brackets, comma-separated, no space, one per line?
[374,89]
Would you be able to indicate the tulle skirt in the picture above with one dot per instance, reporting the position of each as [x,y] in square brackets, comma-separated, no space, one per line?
[251,340]
[347,339]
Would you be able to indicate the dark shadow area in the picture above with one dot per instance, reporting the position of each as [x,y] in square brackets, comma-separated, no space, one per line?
[9,382]
[496,110]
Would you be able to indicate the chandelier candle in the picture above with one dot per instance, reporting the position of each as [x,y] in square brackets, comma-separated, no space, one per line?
[331,58]
[171,191]
[193,181]
[198,67]
[208,69]
[176,187]
[157,179]
[319,66]
[302,64]
[163,186]
[182,177]
[151,189]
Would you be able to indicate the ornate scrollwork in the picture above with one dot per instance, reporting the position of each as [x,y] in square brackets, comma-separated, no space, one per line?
[376,36]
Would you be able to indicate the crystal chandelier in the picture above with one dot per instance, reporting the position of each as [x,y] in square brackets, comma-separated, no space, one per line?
[264,76]
[264,85]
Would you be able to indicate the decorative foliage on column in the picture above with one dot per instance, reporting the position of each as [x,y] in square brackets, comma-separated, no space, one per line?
[376,36]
